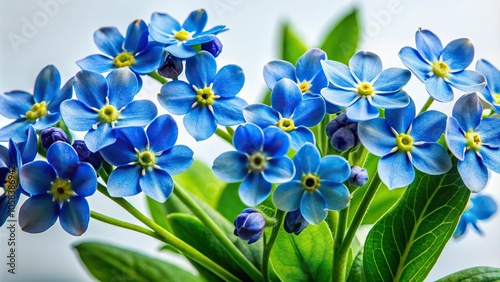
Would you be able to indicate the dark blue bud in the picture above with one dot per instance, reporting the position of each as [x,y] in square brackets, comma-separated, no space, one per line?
[172,67]
[358,176]
[343,133]
[214,47]
[295,222]
[85,155]
[51,135]
[249,225]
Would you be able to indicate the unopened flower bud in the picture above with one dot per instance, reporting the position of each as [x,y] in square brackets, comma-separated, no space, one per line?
[249,225]
[295,222]
[214,47]
[85,155]
[51,135]
[343,133]
[358,177]
[172,67]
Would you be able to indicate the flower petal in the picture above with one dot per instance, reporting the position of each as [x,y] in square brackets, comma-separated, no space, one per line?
[229,111]
[401,119]
[137,36]
[428,44]
[248,138]
[428,126]
[279,170]
[338,74]
[162,133]
[132,135]
[361,110]
[231,166]
[473,172]
[334,169]
[98,138]
[77,115]
[228,81]
[261,115]
[63,158]
[36,177]
[309,112]
[196,21]
[109,40]
[177,97]
[122,87]
[307,160]
[483,206]
[65,93]
[149,60]
[97,63]
[336,194]
[458,54]
[124,181]
[47,84]
[181,51]
[276,142]
[365,66]
[467,80]
[157,184]
[119,153]
[431,158]
[91,88]
[15,103]
[254,189]
[274,71]
[454,137]
[439,89]
[396,170]
[285,97]
[176,159]
[75,216]
[312,206]
[38,213]
[412,59]
[489,130]
[46,121]
[163,27]
[200,123]
[309,64]
[468,110]
[491,158]
[83,180]
[28,149]
[137,113]
[396,100]
[201,69]
[391,80]
[491,73]
[287,196]
[15,130]
[339,96]
[301,136]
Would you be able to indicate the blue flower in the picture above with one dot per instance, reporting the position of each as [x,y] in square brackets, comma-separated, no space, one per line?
[40,109]
[358,177]
[363,87]
[295,222]
[440,69]
[58,190]
[208,99]
[404,142]
[51,135]
[343,133]
[492,90]
[249,225]
[146,160]
[481,207]
[290,111]
[11,161]
[474,142]
[316,187]
[181,39]
[308,74]
[259,161]
[104,103]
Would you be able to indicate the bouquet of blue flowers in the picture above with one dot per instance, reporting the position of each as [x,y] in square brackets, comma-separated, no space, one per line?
[336,143]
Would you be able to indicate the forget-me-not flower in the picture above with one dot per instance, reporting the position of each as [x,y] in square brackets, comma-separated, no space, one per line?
[492,90]
[480,207]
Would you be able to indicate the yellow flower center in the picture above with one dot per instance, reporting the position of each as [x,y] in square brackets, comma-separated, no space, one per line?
[257,162]
[365,89]
[124,59]
[108,114]
[404,142]
[61,190]
[310,182]
[473,140]
[441,69]
[37,111]
[182,35]
[146,159]
[286,124]
[496,99]
[304,86]
[205,95]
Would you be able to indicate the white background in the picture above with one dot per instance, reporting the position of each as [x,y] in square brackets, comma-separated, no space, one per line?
[64,35]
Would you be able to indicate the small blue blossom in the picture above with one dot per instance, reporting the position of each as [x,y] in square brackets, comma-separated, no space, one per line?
[180,40]
[208,99]
[58,190]
[40,109]
[249,225]
[404,142]
[259,161]
[316,187]
[343,133]
[51,135]
[363,87]
[492,90]
[358,177]
[171,68]
[481,207]
[104,103]
[442,68]
[295,222]
[145,160]
[290,111]
[133,51]
[473,141]
[213,47]
[85,155]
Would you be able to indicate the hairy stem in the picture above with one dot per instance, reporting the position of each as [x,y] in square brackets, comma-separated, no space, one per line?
[270,243]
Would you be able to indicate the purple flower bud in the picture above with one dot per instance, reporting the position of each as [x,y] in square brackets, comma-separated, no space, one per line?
[214,47]
[249,225]
[295,222]
[358,176]
[343,133]
[85,155]
[172,67]
[51,135]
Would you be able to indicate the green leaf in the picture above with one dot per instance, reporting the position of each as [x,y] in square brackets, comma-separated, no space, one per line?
[109,263]
[307,257]
[474,274]
[230,204]
[342,40]
[356,274]
[406,243]
[292,46]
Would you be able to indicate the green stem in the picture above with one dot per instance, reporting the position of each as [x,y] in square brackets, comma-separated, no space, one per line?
[250,269]
[270,243]
[224,135]
[154,75]
[322,138]
[169,238]
[230,131]
[342,253]
[103,174]
[427,104]
[338,263]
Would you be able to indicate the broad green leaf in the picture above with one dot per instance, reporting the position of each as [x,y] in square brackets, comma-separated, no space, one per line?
[406,243]
[356,274]
[475,274]
[342,40]
[354,250]
[230,204]
[109,263]
[307,257]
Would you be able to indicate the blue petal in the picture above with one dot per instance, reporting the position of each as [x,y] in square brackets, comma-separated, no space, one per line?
[467,80]
[274,71]
[279,170]
[365,66]
[96,139]
[461,228]
[35,177]
[63,158]
[65,94]
[122,87]
[336,195]
[38,213]
[439,89]
[248,138]
[428,44]
[84,180]
[14,158]
[458,54]
[338,96]
[491,158]
[109,40]
[261,115]
[231,166]
[312,207]
[391,80]
[148,61]
[491,73]
[285,97]
[309,64]
[46,121]
[162,133]
[177,97]
[306,160]
[361,110]
[97,63]
[483,206]
[338,74]
[396,100]
[8,203]
[228,81]
[201,69]
[396,170]
[47,84]
[431,158]
[319,82]
[200,123]
[132,135]
[309,112]
[301,136]
[428,126]
[176,159]
[196,21]
[137,113]
[332,108]
[229,111]
[119,153]
[415,63]
[137,36]
[401,119]
[467,111]
[157,184]
[29,148]
[200,39]
[181,51]
[473,172]
[91,88]
[163,27]
[454,137]
[254,189]
[276,142]
[214,30]
[15,103]
[15,130]
[75,215]
[124,181]
[77,115]
[489,130]
[287,196]
[334,169]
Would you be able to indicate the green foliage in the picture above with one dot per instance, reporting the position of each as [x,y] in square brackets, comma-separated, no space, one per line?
[109,263]
[292,46]
[475,274]
[342,40]
[406,243]
[356,274]
[230,204]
